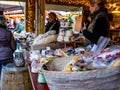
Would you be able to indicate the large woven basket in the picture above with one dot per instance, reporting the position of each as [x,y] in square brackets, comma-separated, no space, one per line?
[105,79]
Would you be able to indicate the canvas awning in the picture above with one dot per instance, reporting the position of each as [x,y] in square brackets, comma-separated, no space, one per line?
[11,5]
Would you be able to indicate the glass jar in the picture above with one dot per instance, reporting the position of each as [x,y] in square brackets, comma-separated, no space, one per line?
[19,60]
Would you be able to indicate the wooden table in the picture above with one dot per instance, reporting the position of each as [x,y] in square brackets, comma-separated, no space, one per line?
[35,84]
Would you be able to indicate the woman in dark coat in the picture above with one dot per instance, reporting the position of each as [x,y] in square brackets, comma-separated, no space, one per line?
[99,25]
[53,23]
[7,42]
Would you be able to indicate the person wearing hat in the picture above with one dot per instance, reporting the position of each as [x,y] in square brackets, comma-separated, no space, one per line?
[99,25]
[7,42]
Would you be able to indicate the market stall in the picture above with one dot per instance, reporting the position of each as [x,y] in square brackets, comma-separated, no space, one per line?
[72,66]
[65,75]
[71,70]
[107,64]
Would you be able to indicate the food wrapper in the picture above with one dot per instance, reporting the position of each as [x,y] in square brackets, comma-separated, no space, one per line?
[108,55]
[68,67]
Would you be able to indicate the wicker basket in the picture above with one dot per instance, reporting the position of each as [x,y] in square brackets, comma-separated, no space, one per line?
[105,79]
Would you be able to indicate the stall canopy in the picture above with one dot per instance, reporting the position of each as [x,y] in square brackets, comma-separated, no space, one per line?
[11,5]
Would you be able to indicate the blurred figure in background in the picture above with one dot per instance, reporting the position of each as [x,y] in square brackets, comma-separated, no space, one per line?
[11,23]
[7,42]
[20,26]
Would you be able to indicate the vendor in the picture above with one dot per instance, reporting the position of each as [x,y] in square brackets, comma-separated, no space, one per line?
[99,25]
[50,35]
[53,23]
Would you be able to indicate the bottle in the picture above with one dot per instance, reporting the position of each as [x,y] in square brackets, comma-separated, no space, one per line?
[41,78]
[18,55]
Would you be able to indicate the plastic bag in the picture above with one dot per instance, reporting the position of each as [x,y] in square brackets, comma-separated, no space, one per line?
[99,64]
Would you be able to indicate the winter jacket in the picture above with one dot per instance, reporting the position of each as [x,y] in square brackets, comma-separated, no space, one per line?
[7,44]
[19,27]
[99,26]
[54,25]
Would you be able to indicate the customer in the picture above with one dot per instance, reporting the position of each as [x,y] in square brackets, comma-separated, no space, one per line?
[19,27]
[7,42]
[53,23]
[99,25]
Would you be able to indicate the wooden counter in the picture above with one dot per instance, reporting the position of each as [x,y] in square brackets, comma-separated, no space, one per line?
[35,84]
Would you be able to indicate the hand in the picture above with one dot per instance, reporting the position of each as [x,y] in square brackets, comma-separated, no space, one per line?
[84,27]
